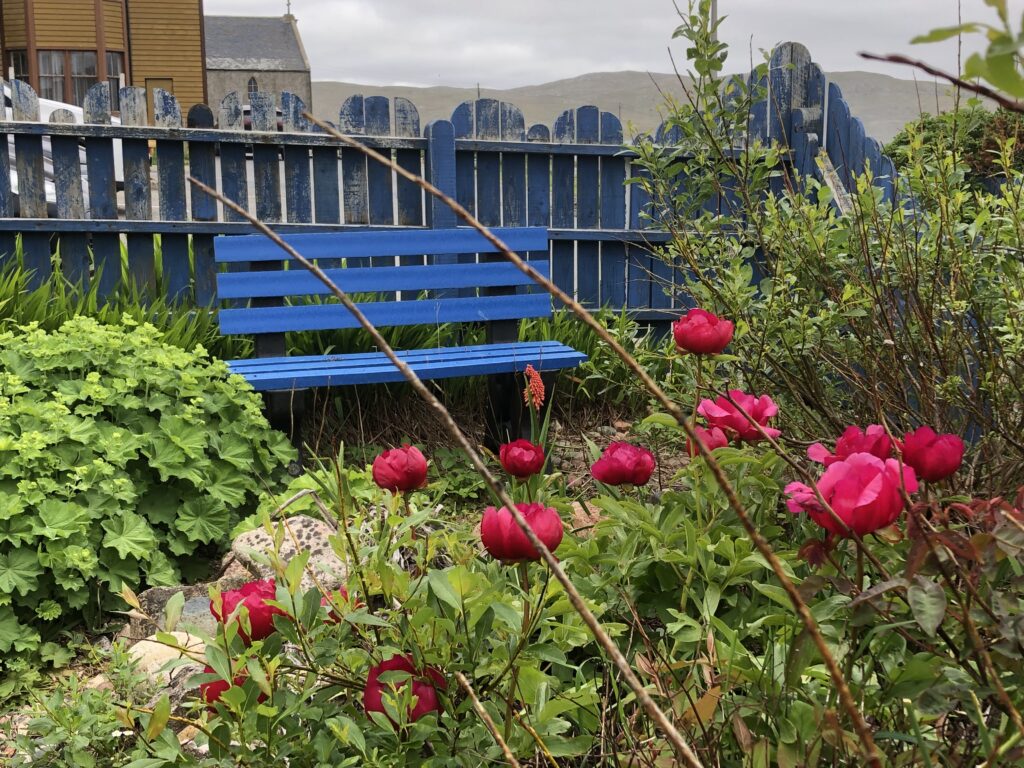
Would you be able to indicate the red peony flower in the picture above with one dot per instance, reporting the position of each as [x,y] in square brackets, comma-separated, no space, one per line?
[702,333]
[724,415]
[213,690]
[934,457]
[521,458]
[873,440]
[624,464]
[710,438]
[400,469]
[425,685]
[505,541]
[253,596]
[863,491]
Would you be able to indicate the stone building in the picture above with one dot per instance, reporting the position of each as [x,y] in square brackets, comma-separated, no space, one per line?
[248,54]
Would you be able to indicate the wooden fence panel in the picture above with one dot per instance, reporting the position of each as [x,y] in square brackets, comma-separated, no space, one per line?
[31,183]
[106,249]
[563,204]
[408,196]
[138,198]
[7,239]
[613,215]
[70,200]
[202,160]
[170,162]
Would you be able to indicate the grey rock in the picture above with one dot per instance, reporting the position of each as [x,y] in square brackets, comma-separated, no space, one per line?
[312,535]
[196,614]
[180,691]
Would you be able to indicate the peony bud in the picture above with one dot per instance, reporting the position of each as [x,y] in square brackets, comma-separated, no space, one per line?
[504,540]
[702,333]
[400,469]
[624,464]
[521,458]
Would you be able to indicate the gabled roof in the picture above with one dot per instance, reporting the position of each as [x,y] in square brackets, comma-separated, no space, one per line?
[258,43]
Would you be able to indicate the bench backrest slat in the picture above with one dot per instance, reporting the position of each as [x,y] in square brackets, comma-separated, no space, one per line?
[398,242]
[299,282]
[275,285]
[312,317]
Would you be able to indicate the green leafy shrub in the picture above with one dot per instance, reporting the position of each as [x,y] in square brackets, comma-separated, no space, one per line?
[120,457]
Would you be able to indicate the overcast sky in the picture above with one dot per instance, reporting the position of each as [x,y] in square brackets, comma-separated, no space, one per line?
[504,44]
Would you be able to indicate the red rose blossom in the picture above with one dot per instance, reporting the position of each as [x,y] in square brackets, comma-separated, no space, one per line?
[873,440]
[702,333]
[624,464]
[400,469]
[863,490]
[727,417]
[425,685]
[521,458]
[213,690]
[710,438]
[253,596]
[504,540]
[933,456]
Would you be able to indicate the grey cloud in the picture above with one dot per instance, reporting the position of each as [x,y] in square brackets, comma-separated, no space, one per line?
[501,44]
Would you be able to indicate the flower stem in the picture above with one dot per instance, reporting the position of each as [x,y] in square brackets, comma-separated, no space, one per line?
[524,583]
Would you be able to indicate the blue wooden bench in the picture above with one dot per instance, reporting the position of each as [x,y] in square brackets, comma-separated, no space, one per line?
[265,297]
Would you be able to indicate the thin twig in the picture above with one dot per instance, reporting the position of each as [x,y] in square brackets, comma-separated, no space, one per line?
[982,90]
[479,708]
[845,696]
[683,749]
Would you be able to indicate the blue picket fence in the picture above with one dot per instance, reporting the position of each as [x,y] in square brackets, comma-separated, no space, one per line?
[109,184]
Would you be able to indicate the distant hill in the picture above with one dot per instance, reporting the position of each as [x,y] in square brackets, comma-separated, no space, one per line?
[884,103]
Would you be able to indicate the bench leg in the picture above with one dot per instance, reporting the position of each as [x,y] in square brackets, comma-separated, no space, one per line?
[285,412]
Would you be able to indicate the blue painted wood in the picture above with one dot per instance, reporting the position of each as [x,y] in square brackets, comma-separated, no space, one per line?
[513,168]
[171,187]
[353,164]
[106,249]
[563,204]
[326,190]
[613,215]
[138,204]
[464,124]
[296,282]
[443,363]
[377,122]
[538,190]
[234,169]
[298,181]
[70,202]
[394,242]
[838,141]
[303,362]
[638,259]
[7,240]
[758,125]
[408,196]
[203,166]
[488,164]
[856,151]
[588,175]
[31,183]
[317,317]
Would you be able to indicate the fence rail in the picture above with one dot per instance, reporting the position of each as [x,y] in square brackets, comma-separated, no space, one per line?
[92,191]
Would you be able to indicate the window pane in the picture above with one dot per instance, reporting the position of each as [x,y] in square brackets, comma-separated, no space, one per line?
[51,75]
[18,60]
[115,68]
[83,75]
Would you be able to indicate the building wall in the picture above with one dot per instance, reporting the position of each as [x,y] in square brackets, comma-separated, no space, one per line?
[15,35]
[220,82]
[65,24]
[167,45]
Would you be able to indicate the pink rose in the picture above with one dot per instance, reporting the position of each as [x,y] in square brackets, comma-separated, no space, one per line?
[725,416]
[400,469]
[505,541]
[624,464]
[702,333]
[863,490]
[873,440]
[934,457]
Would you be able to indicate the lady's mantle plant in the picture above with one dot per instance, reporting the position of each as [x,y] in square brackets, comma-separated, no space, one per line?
[120,456]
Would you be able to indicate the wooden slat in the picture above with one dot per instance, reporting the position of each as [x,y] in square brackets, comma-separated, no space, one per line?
[383,371]
[138,203]
[588,131]
[171,185]
[408,195]
[638,261]
[106,249]
[299,362]
[234,170]
[384,313]
[563,188]
[395,242]
[353,164]
[7,241]
[298,183]
[203,166]
[379,181]
[295,282]
[613,216]
[31,182]
[67,179]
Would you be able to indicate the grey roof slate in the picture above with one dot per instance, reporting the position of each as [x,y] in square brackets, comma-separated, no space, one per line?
[257,43]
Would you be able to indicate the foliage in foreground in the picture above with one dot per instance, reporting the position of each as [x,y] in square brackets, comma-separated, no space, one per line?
[121,459]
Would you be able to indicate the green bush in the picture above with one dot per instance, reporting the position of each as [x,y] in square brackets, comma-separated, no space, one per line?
[120,457]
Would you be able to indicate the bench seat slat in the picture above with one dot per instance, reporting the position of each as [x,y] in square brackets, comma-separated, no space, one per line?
[399,242]
[314,317]
[342,372]
[299,282]
[256,364]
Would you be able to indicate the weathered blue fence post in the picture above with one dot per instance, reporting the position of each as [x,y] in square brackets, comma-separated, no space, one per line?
[440,165]
[31,182]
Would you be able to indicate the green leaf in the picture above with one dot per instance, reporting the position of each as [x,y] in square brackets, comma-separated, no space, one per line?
[203,519]
[438,581]
[928,604]
[172,611]
[158,720]
[944,33]
[130,535]
[19,570]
